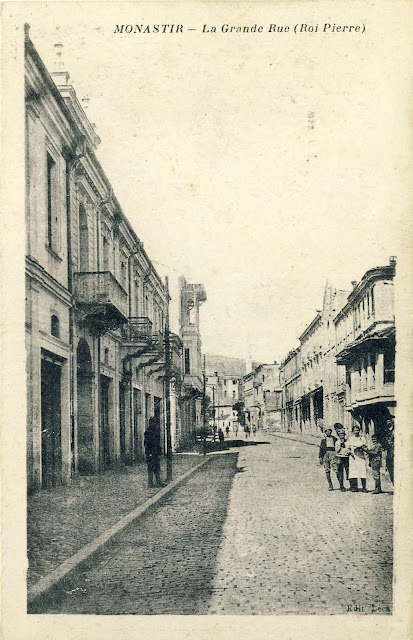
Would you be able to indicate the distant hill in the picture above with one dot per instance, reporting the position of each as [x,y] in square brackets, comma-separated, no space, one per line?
[225,365]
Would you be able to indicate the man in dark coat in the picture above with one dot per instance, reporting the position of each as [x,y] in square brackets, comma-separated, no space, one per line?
[153,453]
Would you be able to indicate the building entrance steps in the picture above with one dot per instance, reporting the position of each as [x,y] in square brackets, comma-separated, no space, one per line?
[67,524]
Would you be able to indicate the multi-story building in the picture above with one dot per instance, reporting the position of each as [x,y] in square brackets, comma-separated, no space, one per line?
[224,391]
[262,396]
[343,370]
[365,337]
[319,372]
[95,305]
[334,374]
[191,298]
[312,374]
[290,382]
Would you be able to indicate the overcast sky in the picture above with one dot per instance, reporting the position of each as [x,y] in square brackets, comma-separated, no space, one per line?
[227,177]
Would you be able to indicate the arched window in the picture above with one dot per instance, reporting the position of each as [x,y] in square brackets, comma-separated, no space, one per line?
[54,326]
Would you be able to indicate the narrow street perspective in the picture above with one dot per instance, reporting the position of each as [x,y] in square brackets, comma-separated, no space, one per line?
[210,357]
[253,532]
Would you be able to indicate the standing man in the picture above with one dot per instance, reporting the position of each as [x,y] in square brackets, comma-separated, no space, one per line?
[389,446]
[327,454]
[375,459]
[341,459]
[153,453]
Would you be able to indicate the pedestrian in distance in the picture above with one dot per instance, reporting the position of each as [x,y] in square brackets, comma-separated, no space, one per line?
[236,430]
[153,453]
[341,457]
[247,431]
[357,459]
[221,436]
[327,454]
[227,430]
[375,461]
[254,430]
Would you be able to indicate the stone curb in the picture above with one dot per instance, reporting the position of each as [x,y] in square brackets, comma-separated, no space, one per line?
[85,553]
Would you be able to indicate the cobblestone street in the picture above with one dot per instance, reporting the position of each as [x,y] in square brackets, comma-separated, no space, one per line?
[255,531]
[60,521]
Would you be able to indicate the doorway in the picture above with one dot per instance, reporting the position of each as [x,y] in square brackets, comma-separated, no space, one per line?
[157,412]
[86,459]
[104,448]
[122,425]
[51,437]
[137,413]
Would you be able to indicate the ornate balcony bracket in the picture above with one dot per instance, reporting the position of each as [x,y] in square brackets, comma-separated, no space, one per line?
[98,318]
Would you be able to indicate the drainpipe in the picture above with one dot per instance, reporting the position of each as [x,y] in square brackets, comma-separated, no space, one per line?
[98,344]
[69,167]
[131,412]
[71,163]
[167,387]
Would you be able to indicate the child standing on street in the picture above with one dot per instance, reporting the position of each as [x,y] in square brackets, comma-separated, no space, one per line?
[327,454]
[375,460]
[341,459]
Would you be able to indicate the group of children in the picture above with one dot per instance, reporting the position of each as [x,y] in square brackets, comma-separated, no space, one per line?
[348,457]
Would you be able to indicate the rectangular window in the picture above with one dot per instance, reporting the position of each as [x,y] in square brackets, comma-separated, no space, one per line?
[373,370]
[364,375]
[187,361]
[372,301]
[389,364]
[51,202]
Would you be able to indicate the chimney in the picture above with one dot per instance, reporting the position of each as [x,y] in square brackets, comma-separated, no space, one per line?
[354,284]
[60,76]
[85,102]
[392,260]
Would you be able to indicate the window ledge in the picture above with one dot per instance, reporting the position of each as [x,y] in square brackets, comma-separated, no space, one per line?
[53,254]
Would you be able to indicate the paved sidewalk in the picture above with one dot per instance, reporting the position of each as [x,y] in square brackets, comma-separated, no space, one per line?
[162,563]
[62,520]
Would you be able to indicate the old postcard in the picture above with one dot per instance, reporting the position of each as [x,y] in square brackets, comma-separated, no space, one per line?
[207,303]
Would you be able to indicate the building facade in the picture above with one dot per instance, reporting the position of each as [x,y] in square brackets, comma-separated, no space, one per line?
[263,394]
[96,308]
[344,369]
[366,347]
[192,296]
[290,382]
[224,387]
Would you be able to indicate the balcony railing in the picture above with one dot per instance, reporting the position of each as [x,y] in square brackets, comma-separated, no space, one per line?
[101,288]
[137,330]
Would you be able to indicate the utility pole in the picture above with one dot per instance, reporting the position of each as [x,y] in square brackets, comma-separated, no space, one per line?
[214,426]
[168,388]
[204,403]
